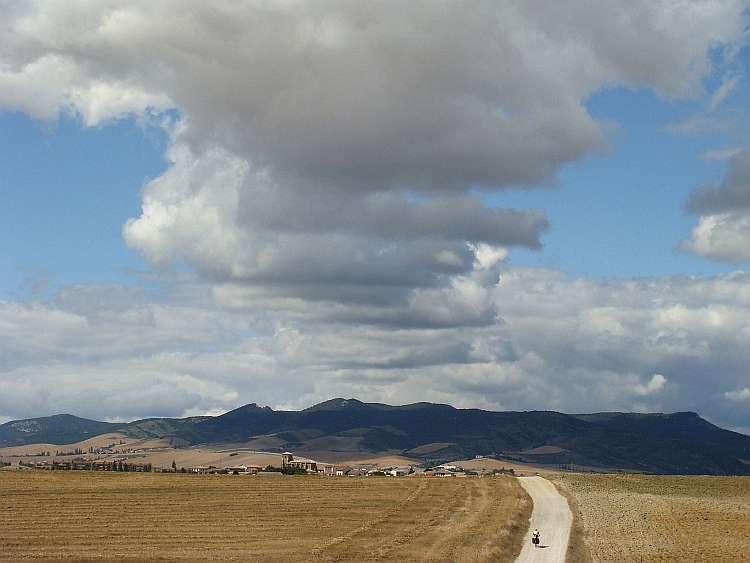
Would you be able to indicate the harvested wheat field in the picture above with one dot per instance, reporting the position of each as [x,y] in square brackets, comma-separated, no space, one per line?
[93,516]
[663,518]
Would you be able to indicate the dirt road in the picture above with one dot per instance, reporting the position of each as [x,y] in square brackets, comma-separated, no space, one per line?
[552,517]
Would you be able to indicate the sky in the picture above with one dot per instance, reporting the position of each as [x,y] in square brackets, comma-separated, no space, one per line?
[516,205]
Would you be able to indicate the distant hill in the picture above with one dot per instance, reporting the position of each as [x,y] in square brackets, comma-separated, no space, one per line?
[681,443]
[57,429]
[678,443]
[679,425]
[158,427]
[64,429]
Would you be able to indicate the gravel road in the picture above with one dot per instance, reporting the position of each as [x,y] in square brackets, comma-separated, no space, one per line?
[552,517]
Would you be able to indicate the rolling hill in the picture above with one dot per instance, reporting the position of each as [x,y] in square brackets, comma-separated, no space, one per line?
[605,442]
[678,443]
[57,429]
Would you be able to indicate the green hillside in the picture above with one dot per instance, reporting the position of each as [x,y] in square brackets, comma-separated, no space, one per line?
[158,427]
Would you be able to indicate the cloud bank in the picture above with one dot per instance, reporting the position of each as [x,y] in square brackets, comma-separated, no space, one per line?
[657,344]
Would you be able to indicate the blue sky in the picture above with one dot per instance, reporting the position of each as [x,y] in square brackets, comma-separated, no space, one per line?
[202,207]
[627,206]
[66,192]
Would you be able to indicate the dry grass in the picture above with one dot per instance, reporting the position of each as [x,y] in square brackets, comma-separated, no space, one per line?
[85,516]
[577,552]
[664,519]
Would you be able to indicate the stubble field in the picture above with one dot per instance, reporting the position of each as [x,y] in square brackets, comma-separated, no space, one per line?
[87,516]
[663,518]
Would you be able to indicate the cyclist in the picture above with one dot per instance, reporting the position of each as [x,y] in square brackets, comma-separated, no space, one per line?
[535,538]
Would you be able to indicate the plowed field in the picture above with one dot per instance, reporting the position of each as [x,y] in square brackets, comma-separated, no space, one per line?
[91,516]
[664,519]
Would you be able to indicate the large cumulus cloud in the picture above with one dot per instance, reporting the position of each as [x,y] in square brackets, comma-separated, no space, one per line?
[236,226]
[329,147]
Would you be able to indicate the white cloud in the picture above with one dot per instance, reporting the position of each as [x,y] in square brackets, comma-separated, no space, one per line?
[533,340]
[190,210]
[738,396]
[723,230]
[654,386]
[724,237]
[55,84]
[488,256]
[728,83]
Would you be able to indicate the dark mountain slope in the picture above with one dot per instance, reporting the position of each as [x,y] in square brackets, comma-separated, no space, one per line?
[57,429]
[239,425]
[679,425]
[476,432]
[678,443]
[158,427]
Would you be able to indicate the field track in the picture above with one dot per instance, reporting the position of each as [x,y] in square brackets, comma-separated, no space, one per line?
[86,516]
[552,517]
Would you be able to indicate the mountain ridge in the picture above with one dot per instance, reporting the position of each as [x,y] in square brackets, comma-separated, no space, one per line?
[675,443]
[55,429]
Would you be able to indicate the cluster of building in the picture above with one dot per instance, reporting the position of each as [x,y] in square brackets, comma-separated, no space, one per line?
[88,465]
[287,462]
[212,470]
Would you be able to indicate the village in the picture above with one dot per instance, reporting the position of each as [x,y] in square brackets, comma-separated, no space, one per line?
[116,452]
[287,465]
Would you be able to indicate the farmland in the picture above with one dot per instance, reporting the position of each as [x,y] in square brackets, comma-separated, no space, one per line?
[92,516]
[95,516]
[663,518]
